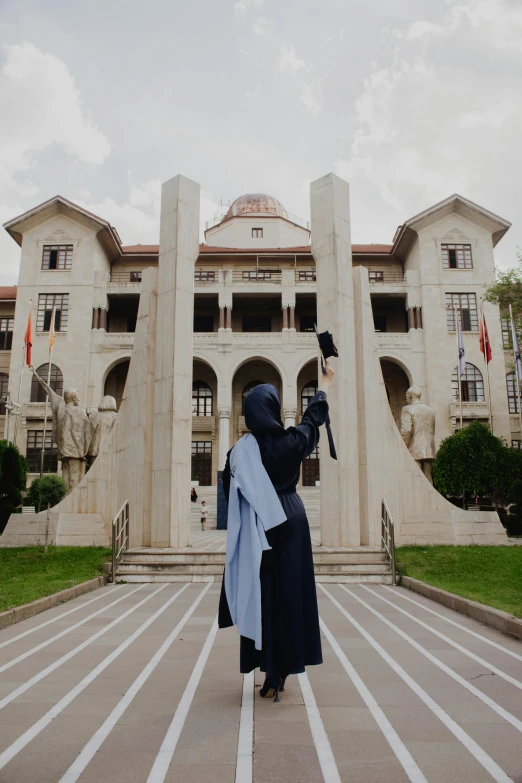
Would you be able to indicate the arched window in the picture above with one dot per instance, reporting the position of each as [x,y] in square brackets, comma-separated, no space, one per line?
[201,399]
[37,393]
[309,391]
[513,396]
[4,388]
[472,384]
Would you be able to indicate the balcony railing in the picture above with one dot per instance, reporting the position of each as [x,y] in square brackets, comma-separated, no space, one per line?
[206,276]
[125,277]
[382,277]
[256,275]
[305,276]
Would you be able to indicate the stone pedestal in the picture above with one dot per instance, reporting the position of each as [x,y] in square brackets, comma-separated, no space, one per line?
[179,248]
[332,251]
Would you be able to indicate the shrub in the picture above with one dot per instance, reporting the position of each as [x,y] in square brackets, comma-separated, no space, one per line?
[47,490]
[513,521]
[13,478]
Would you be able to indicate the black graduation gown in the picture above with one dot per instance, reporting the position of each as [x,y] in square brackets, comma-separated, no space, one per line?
[290,618]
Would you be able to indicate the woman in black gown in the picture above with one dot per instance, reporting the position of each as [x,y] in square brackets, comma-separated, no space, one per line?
[290,619]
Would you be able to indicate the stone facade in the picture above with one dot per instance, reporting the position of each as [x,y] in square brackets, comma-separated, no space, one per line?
[255,300]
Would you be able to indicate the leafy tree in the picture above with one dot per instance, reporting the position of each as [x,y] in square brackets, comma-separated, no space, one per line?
[13,478]
[474,461]
[508,291]
[47,490]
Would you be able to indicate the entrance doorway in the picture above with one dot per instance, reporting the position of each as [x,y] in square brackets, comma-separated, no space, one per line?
[116,380]
[397,384]
[311,469]
[202,462]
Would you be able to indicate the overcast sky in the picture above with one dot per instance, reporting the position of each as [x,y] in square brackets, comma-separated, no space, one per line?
[410,100]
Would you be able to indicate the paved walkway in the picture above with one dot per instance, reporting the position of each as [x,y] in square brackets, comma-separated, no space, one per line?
[134,684]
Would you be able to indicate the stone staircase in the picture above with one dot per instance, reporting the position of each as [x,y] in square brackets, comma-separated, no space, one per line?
[309,496]
[364,564]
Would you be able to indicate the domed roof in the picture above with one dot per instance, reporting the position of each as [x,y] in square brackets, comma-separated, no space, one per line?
[255,204]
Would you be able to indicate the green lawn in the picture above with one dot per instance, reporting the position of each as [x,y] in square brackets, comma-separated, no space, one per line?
[491,575]
[27,573]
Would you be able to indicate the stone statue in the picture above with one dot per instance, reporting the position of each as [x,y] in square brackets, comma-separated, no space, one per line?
[418,430]
[72,432]
[102,421]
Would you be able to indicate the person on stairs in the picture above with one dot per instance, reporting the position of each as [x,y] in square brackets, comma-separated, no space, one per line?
[203,514]
[268,588]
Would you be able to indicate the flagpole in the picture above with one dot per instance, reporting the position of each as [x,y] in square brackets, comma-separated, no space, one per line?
[51,343]
[486,351]
[458,366]
[24,360]
[515,345]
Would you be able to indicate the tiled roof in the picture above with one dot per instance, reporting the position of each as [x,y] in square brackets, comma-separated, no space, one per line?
[212,249]
[7,292]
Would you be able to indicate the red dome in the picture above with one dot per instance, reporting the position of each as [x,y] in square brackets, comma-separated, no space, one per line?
[255,204]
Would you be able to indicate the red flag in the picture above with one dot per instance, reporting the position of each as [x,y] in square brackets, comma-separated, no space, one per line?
[28,339]
[485,345]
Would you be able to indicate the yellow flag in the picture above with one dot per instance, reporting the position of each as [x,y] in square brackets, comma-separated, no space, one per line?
[52,331]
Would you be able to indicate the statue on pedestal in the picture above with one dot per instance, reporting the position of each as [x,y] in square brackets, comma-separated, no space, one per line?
[418,430]
[102,420]
[72,432]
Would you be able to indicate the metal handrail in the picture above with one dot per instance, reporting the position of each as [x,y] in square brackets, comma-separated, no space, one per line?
[388,536]
[120,536]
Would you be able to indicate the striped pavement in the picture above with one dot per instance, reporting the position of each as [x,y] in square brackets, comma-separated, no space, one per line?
[136,684]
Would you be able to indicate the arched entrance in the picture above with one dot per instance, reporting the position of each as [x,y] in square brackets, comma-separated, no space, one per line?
[116,380]
[397,384]
[245,379]
[204,451]
[307,386]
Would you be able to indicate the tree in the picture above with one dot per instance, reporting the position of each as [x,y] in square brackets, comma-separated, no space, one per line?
[513,521]
[47,490]
[474,461]
[508,291]
[13,479]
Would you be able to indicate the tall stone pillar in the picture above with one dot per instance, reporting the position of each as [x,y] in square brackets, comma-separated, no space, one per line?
[285,317]
[221,317]
[172,432]
[332,251]
[292,317]
[229,318]
[289,414]
[224,435]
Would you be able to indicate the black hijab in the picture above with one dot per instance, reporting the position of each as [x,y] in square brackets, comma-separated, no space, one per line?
[263,411]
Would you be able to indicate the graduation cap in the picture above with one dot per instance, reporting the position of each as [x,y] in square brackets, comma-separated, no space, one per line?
[327,348]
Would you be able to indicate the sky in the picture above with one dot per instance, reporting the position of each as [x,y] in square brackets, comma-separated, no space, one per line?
[408,100]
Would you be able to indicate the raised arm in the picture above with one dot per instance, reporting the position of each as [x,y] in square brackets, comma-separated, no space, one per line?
[50,393]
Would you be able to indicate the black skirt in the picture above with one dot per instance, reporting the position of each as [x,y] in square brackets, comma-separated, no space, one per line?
[290,619]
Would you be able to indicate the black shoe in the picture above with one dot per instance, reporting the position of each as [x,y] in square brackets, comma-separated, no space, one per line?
[271,687]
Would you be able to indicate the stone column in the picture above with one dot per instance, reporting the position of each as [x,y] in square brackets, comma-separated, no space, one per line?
[224,435]
[95,317]
[172,433]
[292,317]
[221,317]
[229,318]
[411,318]
[102,323]
[289,416]
[332,251]
[285,317]
[418,317]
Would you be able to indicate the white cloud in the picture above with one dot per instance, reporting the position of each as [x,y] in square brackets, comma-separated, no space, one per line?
[260,27]
[311,96]
[255,94]
[289,61]
[45,109]
[442,114]
[242,6]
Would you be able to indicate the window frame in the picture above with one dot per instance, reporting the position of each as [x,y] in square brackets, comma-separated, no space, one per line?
[67,257]
[4,390]
[312,384]
[56,384]
[256,234]
[202,401]
[465,255]
[46,302]
[33,452]
[451,307]
[6,335]
[513,397]
[475,381]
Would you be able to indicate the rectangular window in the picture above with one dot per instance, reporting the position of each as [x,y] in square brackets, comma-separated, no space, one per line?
[6,333]
[466,307]
[516,444]
[204,275]
[259,274]
[202,462]
[456,257]
[135,277]
[380,323]
[257,323]
[506,332]
[376,277]
[257,233]
[307,274]
[203,323]
[306,323]
[34,452]
[57,256]
[513,392]
[46,302]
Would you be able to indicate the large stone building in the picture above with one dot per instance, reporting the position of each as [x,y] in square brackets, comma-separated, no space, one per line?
[254,313]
